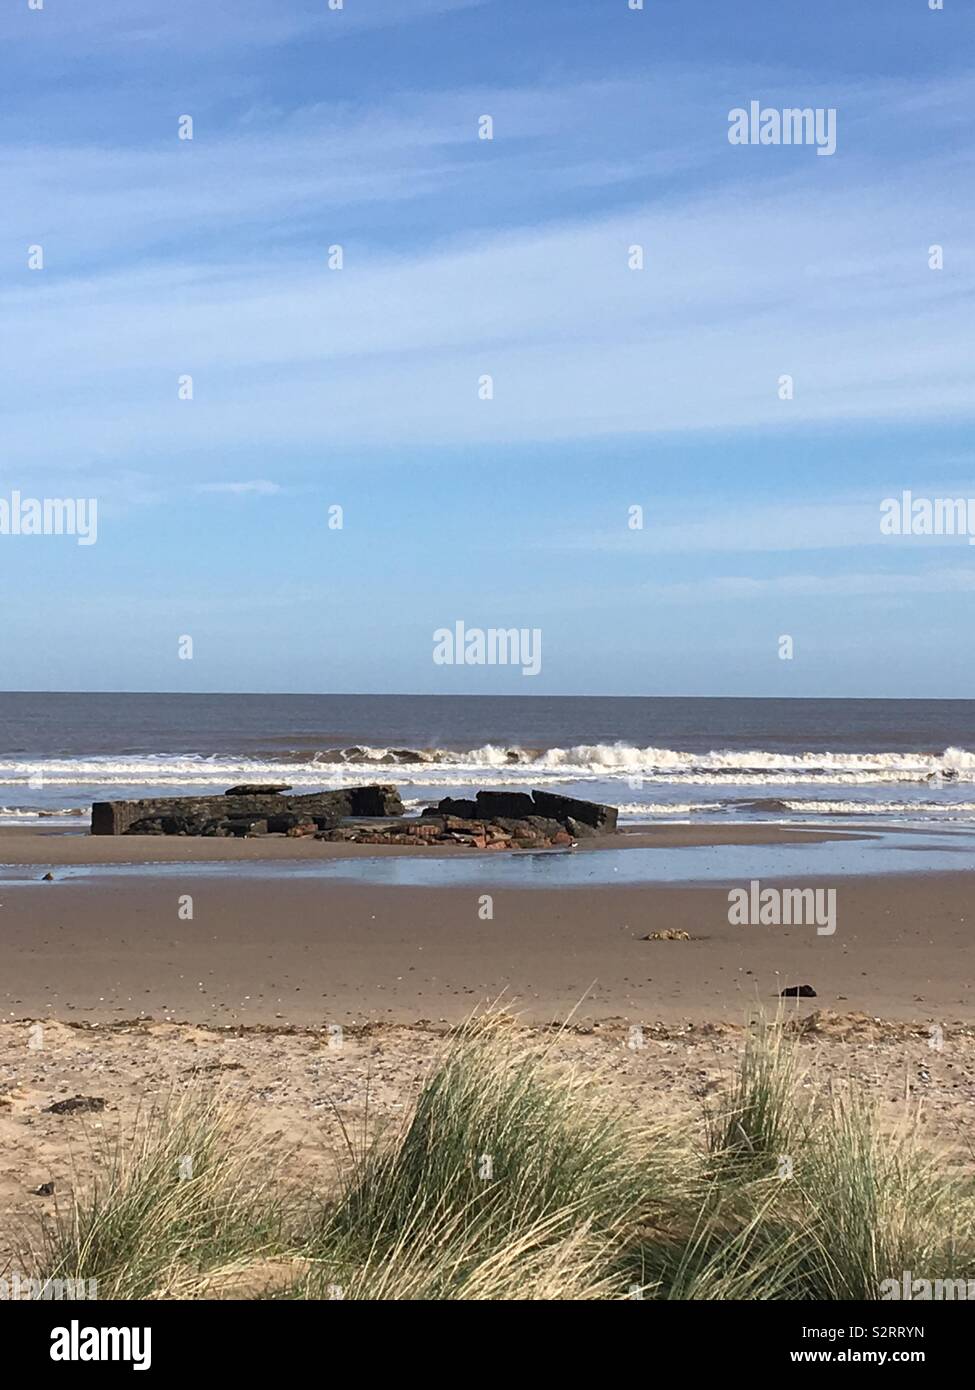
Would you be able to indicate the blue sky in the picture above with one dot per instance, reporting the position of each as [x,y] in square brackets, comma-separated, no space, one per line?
[612,387]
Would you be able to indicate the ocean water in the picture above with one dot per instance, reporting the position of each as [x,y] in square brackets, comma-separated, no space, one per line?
[876,762]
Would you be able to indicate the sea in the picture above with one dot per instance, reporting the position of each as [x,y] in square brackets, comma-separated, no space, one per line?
[880,763]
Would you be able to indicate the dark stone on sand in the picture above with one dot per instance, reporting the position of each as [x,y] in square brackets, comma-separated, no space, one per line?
[798,992]
[246,826]
[522,825]
[561,808]
[75,1105]
[579,818]
[579,828]
[530,832]
[169,825]
[511,805]
[452,806]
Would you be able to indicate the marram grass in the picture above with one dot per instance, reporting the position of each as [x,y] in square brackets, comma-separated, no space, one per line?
[516,1178]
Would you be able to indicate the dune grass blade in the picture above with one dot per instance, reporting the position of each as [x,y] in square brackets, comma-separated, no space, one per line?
[178,1194]
[499,1155]
[878,1205]
[761,1124]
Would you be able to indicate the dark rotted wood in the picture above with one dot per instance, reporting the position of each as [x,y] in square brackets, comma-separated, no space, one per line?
[188,815]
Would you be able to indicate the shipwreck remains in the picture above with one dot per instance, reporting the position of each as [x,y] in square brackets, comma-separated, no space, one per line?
[370,815]
[230,813]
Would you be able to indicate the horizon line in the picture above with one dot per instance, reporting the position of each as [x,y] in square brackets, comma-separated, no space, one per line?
[486,695]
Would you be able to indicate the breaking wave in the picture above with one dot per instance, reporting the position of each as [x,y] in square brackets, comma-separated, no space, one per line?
[861,808]
[438,766]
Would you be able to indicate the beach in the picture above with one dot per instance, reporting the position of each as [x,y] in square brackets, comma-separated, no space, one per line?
[310,986]
[296,1087]
[271,939]
[487,754]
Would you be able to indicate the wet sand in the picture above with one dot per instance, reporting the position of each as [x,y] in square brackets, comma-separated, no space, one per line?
[49,846]
[310,951]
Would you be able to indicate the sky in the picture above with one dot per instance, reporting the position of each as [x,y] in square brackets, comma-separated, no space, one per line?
[465,258]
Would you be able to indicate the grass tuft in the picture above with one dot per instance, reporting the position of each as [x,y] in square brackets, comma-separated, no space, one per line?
[514,1178]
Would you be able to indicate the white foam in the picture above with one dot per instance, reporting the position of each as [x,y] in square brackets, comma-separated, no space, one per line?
[879,808]
[504,765]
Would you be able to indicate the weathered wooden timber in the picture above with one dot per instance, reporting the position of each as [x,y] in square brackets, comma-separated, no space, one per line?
[204,815]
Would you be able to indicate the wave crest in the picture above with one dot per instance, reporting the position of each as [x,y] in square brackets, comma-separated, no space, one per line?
[432,765]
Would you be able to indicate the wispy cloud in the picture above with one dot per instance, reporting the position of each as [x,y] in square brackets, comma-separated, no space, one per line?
[742,588]
[730,523]
[259,487]
[228,23]
[390,349]
[210,258]
[464,259]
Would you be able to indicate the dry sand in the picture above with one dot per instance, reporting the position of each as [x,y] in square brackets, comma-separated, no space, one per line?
[288,1080]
